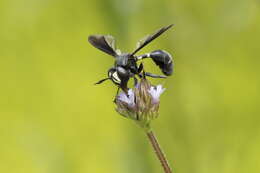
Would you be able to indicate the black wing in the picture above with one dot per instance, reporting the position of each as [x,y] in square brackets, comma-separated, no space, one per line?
[150,38]
[105,43]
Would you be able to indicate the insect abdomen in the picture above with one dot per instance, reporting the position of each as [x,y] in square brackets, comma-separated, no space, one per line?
[164,60]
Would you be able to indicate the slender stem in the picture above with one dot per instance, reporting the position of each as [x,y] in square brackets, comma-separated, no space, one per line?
[159,152]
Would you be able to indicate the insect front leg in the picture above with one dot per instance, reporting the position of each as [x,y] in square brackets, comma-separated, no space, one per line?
[117,91]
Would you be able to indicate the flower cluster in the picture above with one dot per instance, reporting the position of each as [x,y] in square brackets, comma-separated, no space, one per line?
[140,103]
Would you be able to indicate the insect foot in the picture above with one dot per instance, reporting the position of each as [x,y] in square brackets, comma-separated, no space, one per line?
[141,104]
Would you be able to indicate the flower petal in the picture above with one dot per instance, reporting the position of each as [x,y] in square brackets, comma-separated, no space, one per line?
[156,92]
[127,99]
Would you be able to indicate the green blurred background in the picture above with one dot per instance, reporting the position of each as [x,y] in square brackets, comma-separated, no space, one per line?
[54,120]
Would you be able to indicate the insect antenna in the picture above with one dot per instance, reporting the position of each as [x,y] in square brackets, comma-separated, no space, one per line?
[101,81]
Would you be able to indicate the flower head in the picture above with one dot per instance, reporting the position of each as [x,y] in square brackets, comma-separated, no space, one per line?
[140,103]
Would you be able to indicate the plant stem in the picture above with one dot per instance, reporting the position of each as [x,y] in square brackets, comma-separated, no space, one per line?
[159,152]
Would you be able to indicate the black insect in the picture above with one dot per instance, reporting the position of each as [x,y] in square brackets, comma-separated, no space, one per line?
[125,66]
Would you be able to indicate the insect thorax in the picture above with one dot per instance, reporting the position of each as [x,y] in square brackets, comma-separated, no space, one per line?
[122,60]
[125,60]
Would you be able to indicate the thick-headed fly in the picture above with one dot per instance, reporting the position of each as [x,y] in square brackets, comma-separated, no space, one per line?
[125,66]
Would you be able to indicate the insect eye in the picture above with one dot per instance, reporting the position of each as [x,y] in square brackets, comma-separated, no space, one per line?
[114,77]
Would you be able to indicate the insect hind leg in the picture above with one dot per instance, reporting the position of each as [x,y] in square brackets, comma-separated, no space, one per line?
[154,75]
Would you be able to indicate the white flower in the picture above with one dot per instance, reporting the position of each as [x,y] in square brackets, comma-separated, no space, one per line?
[130,99]
[156,92]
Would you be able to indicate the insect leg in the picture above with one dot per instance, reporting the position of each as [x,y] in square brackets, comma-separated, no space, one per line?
[117,91]
[135,81]
[140,57]
[154,75]
[140,68]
